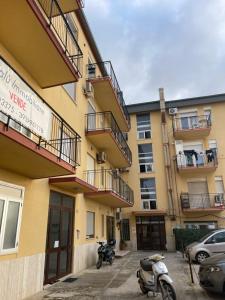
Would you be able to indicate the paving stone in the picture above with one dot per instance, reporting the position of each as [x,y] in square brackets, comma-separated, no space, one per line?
[119,282]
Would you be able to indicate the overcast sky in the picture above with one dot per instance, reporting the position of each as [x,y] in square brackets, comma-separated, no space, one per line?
[175,44]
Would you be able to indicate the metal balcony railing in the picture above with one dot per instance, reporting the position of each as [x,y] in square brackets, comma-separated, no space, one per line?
[64,142]
[106,121]
[202,201]
[106,70]
[82,3]
[60,26]
[192,159]
[109,181]
[192,123]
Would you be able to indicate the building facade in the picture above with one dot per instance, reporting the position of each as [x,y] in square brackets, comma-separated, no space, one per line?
[62,141]
[178,169]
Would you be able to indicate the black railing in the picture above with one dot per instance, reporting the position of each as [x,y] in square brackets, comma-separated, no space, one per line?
[202,201]
[191,123]
[64,142]
[59,24]
[106,121]
[110,181]
[105,69]
[193,159]
[81,3]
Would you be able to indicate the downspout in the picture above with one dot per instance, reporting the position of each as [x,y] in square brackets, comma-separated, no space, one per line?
[166,152]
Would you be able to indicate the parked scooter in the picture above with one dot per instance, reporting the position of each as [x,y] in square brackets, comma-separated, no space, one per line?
[105,253]
[153,277]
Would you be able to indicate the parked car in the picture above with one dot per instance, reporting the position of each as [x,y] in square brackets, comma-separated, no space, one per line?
[211,244]
[212,274]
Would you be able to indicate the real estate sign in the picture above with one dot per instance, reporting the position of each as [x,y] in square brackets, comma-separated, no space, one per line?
[19,101]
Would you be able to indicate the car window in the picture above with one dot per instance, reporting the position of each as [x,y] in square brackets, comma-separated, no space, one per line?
[220,237]
[216,238]
[205,236]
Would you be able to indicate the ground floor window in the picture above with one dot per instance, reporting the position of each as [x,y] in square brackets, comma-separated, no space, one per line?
[125,229]
[11,199]
[90,233]
[201,225]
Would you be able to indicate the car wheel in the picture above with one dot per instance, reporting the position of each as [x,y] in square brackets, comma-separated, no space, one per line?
[201,256]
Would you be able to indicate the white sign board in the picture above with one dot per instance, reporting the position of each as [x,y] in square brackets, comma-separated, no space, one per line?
[19,101]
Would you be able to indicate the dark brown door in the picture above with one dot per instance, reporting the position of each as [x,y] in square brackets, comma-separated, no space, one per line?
[59,243]
[110,227]
[151,234]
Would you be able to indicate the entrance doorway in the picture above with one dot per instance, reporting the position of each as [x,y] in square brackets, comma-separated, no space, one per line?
[151,233]
[110,227]
[59,244]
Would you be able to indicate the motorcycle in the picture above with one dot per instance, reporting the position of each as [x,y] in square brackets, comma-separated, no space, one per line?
[153,277]
[105,253]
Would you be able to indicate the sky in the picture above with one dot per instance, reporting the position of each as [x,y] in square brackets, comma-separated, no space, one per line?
[175,44]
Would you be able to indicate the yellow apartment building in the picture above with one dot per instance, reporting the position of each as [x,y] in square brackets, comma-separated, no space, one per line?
[62,142]
[178,169]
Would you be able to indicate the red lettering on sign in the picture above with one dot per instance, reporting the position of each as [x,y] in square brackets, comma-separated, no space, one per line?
[17,100]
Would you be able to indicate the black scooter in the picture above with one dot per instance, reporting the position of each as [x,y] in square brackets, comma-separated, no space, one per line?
[105,253]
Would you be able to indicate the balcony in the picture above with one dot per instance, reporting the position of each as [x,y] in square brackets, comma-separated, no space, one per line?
[41,40]
[107,92]
[191,162]
[26,153]
[103,131]
[112,190]
[193,127]
[72,184]
[69,5]
[202,202]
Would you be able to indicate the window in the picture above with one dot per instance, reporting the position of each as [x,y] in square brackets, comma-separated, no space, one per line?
[148,193]
[103,225]
[143,126]
[70,88]
[189,120]
[208,114]
[11,198]
[145,158]
[125,230]
[90,231]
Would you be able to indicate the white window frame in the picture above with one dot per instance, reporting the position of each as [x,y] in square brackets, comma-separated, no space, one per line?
[90,236]
[146,165]
[143,132]
[6,200]
[145,191]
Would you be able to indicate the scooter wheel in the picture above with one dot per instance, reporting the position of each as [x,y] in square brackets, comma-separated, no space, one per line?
[167,290]
[99,263]
[142,287]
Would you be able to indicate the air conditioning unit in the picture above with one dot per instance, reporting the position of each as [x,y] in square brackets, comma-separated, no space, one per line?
[91,70]
[173,111]
[88,89]
[116,172]
[101,157]
[219,200]
[124,170]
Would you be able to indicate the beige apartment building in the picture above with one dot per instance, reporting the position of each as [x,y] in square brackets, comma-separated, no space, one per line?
[62,142]
[178,169]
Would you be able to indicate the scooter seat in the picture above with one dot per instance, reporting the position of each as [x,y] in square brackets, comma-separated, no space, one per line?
[146,264]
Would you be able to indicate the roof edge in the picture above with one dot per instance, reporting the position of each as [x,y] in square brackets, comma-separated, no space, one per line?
[154,105]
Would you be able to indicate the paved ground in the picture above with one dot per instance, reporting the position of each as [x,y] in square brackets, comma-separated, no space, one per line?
[119,282]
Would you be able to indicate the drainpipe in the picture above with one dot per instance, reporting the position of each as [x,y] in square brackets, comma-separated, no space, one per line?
[166,152]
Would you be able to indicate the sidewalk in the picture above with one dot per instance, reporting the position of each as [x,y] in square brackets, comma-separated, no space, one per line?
[119,282]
